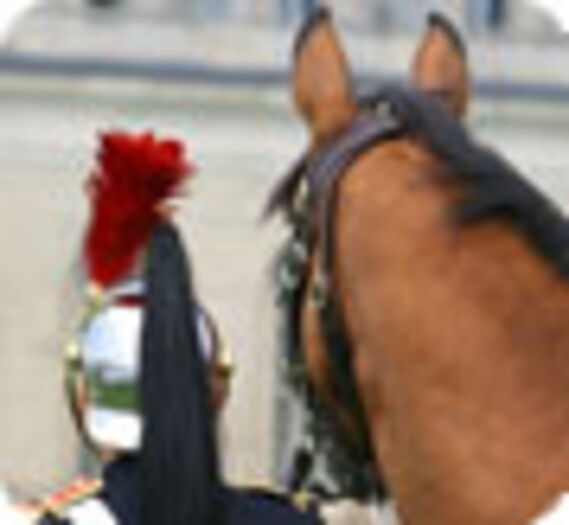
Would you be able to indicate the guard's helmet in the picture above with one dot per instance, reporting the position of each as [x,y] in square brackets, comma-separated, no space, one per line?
[144,340]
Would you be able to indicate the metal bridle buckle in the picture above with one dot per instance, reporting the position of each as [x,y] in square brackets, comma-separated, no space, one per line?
[321,289]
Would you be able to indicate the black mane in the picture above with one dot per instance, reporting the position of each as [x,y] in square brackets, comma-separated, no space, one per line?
[492,187]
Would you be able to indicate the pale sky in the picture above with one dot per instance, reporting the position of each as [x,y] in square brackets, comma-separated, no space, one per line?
[557,8]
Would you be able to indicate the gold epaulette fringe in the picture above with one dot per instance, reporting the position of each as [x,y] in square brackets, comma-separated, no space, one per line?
[57,503]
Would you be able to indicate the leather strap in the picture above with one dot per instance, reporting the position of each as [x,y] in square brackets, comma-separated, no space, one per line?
[323,175]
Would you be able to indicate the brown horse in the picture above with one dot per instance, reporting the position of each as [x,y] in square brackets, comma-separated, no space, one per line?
[447,274]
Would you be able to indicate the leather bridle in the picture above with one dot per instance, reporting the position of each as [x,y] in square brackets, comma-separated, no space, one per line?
[312,189]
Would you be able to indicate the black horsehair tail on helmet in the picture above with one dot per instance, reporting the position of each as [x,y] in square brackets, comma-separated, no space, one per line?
[179,469]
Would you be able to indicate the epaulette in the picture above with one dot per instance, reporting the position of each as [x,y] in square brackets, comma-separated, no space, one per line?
[57,503]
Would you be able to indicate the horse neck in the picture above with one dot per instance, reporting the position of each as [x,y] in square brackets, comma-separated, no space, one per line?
[461,356]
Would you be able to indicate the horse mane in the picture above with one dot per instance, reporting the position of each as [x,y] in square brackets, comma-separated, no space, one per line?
[492,187]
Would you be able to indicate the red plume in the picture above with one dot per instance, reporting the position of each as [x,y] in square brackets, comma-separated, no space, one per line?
[136,173]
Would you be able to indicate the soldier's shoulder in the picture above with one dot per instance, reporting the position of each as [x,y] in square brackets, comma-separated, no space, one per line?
[58,508]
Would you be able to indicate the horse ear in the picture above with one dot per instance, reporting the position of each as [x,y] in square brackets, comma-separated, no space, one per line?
[440,66]
[321,80]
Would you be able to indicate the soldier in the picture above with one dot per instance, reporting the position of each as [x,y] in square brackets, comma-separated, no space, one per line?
[146,372]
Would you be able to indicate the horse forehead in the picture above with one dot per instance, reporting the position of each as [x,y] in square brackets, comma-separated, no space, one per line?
[396,162]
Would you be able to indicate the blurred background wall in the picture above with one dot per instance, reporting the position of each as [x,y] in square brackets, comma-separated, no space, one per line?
[213,72]
[512,16]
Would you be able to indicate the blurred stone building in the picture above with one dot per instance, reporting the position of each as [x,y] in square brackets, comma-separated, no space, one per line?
[511,17]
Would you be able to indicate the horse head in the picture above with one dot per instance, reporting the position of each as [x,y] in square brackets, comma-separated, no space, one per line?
[439,275]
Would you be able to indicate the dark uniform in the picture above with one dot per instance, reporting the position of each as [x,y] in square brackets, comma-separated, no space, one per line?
[117,501]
